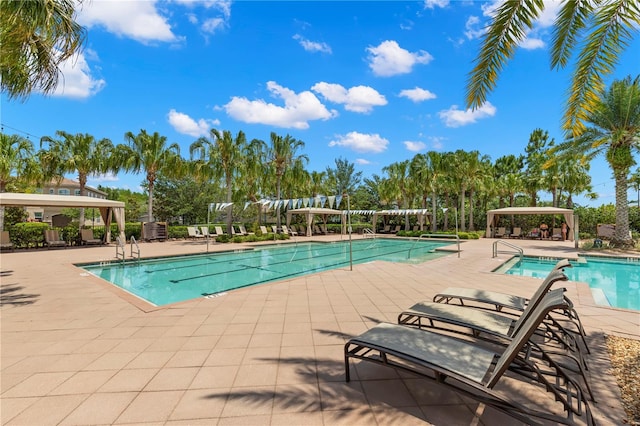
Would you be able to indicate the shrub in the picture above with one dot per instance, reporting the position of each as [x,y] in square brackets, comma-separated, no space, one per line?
[27,234]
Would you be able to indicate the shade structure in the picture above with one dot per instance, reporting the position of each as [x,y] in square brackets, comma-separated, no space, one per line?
[422,215]
[107,207]
[311,212]
[493,215]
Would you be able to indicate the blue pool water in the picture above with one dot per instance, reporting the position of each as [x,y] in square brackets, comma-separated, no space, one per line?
[173,279]
[613,281]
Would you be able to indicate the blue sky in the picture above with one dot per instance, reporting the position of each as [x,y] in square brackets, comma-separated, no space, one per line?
[372,82]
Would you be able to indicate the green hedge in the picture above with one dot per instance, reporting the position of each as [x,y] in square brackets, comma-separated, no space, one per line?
[462,235]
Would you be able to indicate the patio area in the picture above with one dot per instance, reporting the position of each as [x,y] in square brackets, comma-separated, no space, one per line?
[77,351]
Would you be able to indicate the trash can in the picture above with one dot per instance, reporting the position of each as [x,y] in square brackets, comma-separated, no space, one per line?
[597,243]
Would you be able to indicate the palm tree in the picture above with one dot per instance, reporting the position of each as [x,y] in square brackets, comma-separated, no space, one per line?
[282,155]
[344,176]
[253,171]
[398,183]
[80,153]
[537,154]
[16,160]
[36,37]
[601,29]
[151,154]
[222,154]
[615,131]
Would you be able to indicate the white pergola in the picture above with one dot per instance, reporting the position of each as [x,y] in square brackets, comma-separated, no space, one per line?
[422,214]
[493,215]
[310,212]
[108,208]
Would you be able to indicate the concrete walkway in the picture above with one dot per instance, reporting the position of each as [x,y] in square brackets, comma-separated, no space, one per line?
[77,351]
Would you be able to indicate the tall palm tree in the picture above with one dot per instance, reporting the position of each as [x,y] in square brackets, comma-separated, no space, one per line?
[80,153]
[149,153]
[601,30]
[253,171]
[222,154]
[16,160]
[614,130]
[344,176]
[36,37]
[536,156]
[398,183]
[282,155]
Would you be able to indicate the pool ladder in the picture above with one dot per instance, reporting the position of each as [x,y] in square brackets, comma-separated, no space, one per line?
[517,250]
[121,251]
[368,233]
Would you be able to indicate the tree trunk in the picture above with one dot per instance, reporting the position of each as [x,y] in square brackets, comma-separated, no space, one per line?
[621,237]
[471,225]
[433,209]
[462,212]
[230,208]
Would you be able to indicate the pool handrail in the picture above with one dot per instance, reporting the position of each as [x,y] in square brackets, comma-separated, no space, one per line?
[119,247]
[137,251]
[518,249]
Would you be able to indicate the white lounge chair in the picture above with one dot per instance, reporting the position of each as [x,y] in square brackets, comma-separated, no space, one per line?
[288,231]
[193,232]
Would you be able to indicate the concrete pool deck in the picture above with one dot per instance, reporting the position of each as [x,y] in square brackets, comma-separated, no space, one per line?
[74,351]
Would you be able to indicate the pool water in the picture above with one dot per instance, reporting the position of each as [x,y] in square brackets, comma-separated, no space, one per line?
[172,279]
[613,281]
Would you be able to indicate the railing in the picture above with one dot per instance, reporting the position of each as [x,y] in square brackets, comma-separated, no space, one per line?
[137,249]
[368,233]
[518,250]
[435,236]
[120,249]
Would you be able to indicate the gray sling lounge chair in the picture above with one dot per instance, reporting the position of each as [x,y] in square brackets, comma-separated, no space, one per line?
[497,328]
[499,301]
[474,370]
[87,237]
[52,239]
[5,241]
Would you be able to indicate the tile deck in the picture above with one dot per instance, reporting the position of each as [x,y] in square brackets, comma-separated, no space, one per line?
[77,351]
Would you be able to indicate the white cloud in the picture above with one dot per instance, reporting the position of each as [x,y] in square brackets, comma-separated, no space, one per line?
[298,109]
[97,179]
[531,43]
[414,146]
[76,80]
[139,20]
[437,141]
[417,94]
[431,4]
[312,46]
[356,99]
[473,28]
[389,59]
[210,25]
[184,124]
[361,142]
[362,162]
[454,117]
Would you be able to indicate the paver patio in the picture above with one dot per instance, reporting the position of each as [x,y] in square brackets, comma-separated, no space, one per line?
[76,351]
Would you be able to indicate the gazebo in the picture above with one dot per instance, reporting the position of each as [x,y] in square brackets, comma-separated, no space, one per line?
[107,207]
[310,212]
[493,215]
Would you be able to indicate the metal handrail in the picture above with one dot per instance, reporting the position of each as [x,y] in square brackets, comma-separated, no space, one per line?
[137,251]
[366,233]
[438,236]
[120,246]
[518,249]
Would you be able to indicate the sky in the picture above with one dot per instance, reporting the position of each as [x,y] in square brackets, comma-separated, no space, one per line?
[367,81]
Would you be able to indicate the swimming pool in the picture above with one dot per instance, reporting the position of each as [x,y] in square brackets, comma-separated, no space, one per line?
[173,279]
[614,281]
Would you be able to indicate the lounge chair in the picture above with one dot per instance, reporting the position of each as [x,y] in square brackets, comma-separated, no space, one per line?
[517,233]
[288,231]
[473,370]
[193,232]
[485,299]
[204,230]
[87,237]
[5,241]
[263,230]
[557,234]
[396,229]
[385,230]
[534,233]
[219,230]
[274,228]
[243,230]
[501,232]
[497,328]
[52,239]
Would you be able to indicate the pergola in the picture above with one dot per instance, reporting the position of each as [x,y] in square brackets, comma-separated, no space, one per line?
[310,212]
[421,214]
[108,208]
[493,215]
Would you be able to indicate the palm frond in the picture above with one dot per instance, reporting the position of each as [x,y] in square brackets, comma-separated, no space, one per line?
[570,21]
[610,35]
[506,31]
